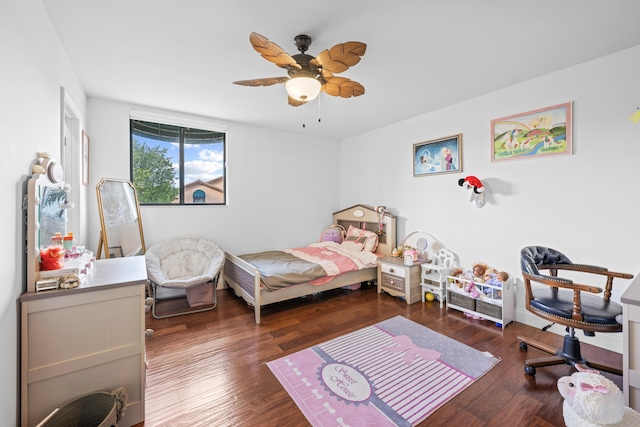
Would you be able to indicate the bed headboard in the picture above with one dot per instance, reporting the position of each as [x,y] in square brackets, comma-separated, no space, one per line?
[366,217]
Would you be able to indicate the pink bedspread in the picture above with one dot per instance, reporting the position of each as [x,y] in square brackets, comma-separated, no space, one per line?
[333,262]
[317,264]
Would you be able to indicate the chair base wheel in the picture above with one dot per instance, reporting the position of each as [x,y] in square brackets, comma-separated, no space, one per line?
[524,346]
[530,370]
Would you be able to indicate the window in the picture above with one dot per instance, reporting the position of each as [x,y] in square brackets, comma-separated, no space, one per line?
[173,164]
[199,196]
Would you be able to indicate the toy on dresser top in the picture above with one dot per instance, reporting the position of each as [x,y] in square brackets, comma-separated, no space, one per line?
[480,280]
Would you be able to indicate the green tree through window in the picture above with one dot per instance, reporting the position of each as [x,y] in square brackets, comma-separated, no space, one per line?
[153,174]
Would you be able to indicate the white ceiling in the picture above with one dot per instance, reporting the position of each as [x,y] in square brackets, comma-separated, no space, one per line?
[422,55]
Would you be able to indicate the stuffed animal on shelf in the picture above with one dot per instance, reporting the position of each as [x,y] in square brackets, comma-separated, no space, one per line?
[470,288]
[455,272]
[592,400]
[51,258]
[479,269]
[495,278]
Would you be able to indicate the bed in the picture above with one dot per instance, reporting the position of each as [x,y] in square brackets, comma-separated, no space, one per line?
[241,273]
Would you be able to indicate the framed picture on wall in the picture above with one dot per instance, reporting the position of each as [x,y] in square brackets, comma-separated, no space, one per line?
[534,134]
[85,158]
[437,156]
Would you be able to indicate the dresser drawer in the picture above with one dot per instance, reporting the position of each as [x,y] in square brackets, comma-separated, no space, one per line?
[392,269]
[393,282]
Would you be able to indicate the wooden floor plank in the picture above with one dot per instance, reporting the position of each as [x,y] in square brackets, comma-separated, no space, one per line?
[209,369]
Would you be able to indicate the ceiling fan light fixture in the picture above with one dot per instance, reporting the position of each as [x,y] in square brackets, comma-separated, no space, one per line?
[303,89]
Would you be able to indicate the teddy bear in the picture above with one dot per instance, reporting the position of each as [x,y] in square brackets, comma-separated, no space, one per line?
[592,400]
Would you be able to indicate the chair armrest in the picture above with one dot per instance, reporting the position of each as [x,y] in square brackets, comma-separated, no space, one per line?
[558,282]
[593,269]
[571,285]
[154,271]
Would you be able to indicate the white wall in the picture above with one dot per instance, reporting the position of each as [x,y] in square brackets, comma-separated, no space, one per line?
[34,67]
[280,192]
[584,205]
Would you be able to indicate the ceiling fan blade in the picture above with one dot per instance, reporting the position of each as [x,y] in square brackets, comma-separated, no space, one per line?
[342,56]
[272,52]
[343,87]
[294,102]
[267,81]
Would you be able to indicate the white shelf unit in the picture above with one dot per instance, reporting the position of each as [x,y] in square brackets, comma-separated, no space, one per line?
[434,279]
[434,276]
[500,311]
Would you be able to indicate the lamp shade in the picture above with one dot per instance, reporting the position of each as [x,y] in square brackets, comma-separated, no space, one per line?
[303,88]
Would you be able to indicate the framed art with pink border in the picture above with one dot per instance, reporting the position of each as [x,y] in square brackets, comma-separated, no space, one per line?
[539,133]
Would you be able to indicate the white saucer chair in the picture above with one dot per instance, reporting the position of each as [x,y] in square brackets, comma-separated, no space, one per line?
[184,267]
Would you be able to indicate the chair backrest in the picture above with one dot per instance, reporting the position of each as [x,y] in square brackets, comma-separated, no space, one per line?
[533,256]
[186,256]
[445,258]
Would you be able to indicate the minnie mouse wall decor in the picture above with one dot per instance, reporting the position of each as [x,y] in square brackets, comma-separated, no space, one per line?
[475,189]
[380,211]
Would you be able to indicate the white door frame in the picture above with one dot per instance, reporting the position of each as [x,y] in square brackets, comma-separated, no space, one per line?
[71,161]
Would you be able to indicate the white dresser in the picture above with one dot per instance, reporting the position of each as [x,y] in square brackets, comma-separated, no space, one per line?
[87,339]
[631,344]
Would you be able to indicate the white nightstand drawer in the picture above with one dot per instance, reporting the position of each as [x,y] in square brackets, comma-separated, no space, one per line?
[392,269]
[393,282]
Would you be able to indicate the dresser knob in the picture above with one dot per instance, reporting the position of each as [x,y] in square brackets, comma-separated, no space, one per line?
[391,270]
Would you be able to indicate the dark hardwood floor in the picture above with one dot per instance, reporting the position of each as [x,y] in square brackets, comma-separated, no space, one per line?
[209,369]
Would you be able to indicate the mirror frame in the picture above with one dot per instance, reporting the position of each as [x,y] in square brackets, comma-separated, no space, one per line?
[103,243]
[51,177]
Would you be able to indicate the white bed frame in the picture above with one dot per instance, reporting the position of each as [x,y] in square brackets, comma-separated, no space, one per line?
[244,278]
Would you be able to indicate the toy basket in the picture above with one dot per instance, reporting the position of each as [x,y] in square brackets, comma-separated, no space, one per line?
[92,410]
[462,301]
[492,310]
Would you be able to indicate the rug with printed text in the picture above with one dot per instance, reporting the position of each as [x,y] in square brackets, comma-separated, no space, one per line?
[394,373]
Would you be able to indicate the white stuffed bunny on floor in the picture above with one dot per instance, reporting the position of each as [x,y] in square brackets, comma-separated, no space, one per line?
[591,400]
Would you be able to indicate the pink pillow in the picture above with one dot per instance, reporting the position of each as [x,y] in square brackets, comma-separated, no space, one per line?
[367,238]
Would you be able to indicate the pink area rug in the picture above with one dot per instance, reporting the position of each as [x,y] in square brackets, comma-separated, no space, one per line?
[394,373]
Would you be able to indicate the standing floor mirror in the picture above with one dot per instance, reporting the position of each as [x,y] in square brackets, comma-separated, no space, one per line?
[120,222]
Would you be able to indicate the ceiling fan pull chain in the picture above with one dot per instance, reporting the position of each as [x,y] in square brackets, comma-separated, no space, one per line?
[319,119]
[304,106]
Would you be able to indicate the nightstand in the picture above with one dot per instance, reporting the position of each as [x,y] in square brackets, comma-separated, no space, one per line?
[400,279]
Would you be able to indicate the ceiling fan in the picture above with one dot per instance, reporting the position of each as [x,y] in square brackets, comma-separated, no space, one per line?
[309,75]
